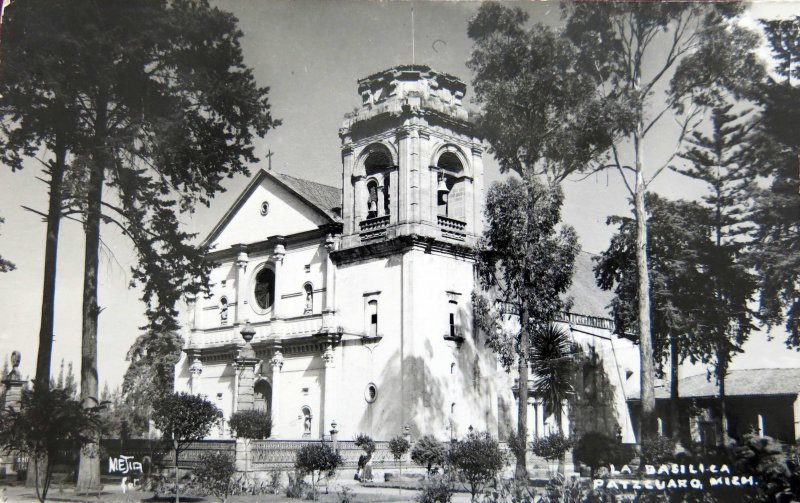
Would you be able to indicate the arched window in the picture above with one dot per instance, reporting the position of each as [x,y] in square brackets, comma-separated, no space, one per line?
[451,202]
[372,312]
[263,396]
[309,293]
[265,288]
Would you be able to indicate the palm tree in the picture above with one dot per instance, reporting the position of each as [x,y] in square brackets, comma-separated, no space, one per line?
[552,369]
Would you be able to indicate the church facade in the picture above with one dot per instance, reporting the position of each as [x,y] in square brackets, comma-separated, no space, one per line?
[358,299]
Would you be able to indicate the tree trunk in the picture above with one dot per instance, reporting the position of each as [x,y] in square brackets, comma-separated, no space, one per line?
[674,397]
[177,491]
[89,466]
[521,472]
[647,426]
[723,416]
[50,263]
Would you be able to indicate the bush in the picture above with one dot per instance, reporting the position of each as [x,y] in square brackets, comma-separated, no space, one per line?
[436,490]
[254,424]
[658,450]
[316,460]
[428,452]
[214,473]
[298,488]
[477,459]
[551,447]
[595,449]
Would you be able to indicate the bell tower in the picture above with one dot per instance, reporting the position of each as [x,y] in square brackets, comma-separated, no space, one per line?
[412,212]
[412,164]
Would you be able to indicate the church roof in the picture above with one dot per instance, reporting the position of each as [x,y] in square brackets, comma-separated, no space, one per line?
[588,299]
[324,197]
[748,382]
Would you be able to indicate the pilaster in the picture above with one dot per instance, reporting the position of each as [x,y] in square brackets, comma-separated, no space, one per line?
[241,289]
[277,260]
[329,380]
[276,364]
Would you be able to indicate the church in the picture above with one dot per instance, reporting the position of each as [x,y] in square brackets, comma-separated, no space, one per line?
[349,308]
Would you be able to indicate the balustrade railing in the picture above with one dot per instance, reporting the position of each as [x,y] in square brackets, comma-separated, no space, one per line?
[372,224]
[284,327]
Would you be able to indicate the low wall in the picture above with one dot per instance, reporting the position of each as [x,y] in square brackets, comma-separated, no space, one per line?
[280,454]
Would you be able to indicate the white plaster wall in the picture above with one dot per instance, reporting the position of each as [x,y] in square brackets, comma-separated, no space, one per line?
[299,372]
[369,362]
[441,373]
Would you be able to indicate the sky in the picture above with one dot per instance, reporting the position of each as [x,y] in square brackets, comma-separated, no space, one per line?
[310,53]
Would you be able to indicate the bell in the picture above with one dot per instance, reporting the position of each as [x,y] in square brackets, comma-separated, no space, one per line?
[442,188]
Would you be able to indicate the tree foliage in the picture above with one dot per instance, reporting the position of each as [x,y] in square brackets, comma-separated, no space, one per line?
[48,420]
[317,459]
[775,253]
[185,418]
[252,424]
[6,265]
[398,446]
[428,452]
[477,459]
[215,473]
[552,446]
[151,373]
[677,248]
[595,449]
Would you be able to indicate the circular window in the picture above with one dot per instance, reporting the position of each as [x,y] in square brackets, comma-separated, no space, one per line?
[264,208]
[371,393]
[265,288]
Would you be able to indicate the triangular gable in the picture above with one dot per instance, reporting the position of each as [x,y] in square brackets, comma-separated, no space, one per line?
[289,213]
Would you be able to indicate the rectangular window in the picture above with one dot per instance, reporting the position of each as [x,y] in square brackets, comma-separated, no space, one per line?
[452,325]
[373,318]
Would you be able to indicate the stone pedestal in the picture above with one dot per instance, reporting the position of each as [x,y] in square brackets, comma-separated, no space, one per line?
[245,364]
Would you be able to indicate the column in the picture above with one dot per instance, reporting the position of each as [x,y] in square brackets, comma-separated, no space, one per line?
[348,213]
[329,307]
[276,363]
[329,389]
[277,256]
[191,308]
[241,290]
[414,177]
[359,202]
[476,224]
[381,201]
[394,196]
[403,179]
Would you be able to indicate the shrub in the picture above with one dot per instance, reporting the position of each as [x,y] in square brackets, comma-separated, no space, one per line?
[658,450]
[595,449]
[317,460]
[298,488]
[214,473]
[437,490]
[254,424]
[428,452]
[477,459]
[551,447]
